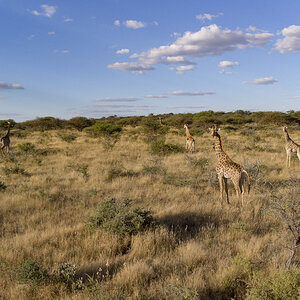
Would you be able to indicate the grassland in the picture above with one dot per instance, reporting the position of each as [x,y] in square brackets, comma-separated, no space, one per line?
[199,248]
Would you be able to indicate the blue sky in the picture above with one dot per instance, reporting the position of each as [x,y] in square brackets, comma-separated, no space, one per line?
[134,57]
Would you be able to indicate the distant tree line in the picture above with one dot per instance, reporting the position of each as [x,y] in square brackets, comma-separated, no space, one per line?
[197,121]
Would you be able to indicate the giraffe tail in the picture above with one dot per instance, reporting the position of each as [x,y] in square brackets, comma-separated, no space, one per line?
[248,180]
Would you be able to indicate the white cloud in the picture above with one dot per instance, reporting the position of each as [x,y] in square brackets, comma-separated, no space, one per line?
[208,41]
[51,33]
[123,51]
[155,23]
[181,69]
[156,96]
[295,97]
[223,72]
[46,11]
[61,51]
[291,40]
[31,37]
[67,20]
[197,93]
[262,81]
[116,99]
[117,23]
[131,66]
[10,86]
[227,63]
[134,24]
[209,17]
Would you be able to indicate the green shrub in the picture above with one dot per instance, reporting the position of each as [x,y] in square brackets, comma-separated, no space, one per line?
[14,170]
[108,132]
[68,137]
[283,285]
[180,292]
[119,217]
[238,275]
[42,124]
[159,147]
[81,122]
[26,147]
[30,272]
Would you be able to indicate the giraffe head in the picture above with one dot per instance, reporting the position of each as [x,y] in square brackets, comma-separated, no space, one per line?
[185,126]
[214,131]
[284,128]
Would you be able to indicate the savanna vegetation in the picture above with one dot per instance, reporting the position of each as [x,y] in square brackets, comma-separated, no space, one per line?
[114,208]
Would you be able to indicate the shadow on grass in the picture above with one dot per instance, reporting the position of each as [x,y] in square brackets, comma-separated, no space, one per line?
[187,225]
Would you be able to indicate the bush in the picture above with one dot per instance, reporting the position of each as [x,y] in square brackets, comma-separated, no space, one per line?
[30,272]
[237,277]
[26,147]
[42,124]
[14,170]
[81,122]
[281,285]
[68,137]
[119,217]
[108,132]
[161,148]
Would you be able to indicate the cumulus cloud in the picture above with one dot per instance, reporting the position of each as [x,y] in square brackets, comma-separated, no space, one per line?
[116,99]
[262,81]
[122,51]
[208,41]
[291,40]
[46,11]
[10,86]
[156,96]
[228,64]
[209,17]
[117,22]
[197,93]
[131,66]
[133,24]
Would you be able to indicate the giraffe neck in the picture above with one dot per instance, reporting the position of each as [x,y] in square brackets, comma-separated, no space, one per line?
[286,136]
[8,131]
[219,147]
[187,132]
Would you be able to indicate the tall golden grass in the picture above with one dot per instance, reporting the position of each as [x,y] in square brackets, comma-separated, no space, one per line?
[44,213]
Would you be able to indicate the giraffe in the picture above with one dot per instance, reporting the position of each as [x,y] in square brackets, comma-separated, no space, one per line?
[5,140]
[227,168]
[290,146]
[190,141]
[160,121]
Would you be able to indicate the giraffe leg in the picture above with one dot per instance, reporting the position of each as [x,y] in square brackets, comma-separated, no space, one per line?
[236,184]
[241,186]
[298,153]
[220,177]
[288,158]
[226,189]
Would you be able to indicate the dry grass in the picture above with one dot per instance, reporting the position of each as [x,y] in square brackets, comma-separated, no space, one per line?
[44,212]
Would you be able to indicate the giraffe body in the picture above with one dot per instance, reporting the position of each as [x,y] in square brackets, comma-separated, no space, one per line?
[290,147]
[5,140]
[228,169]
[190,141]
